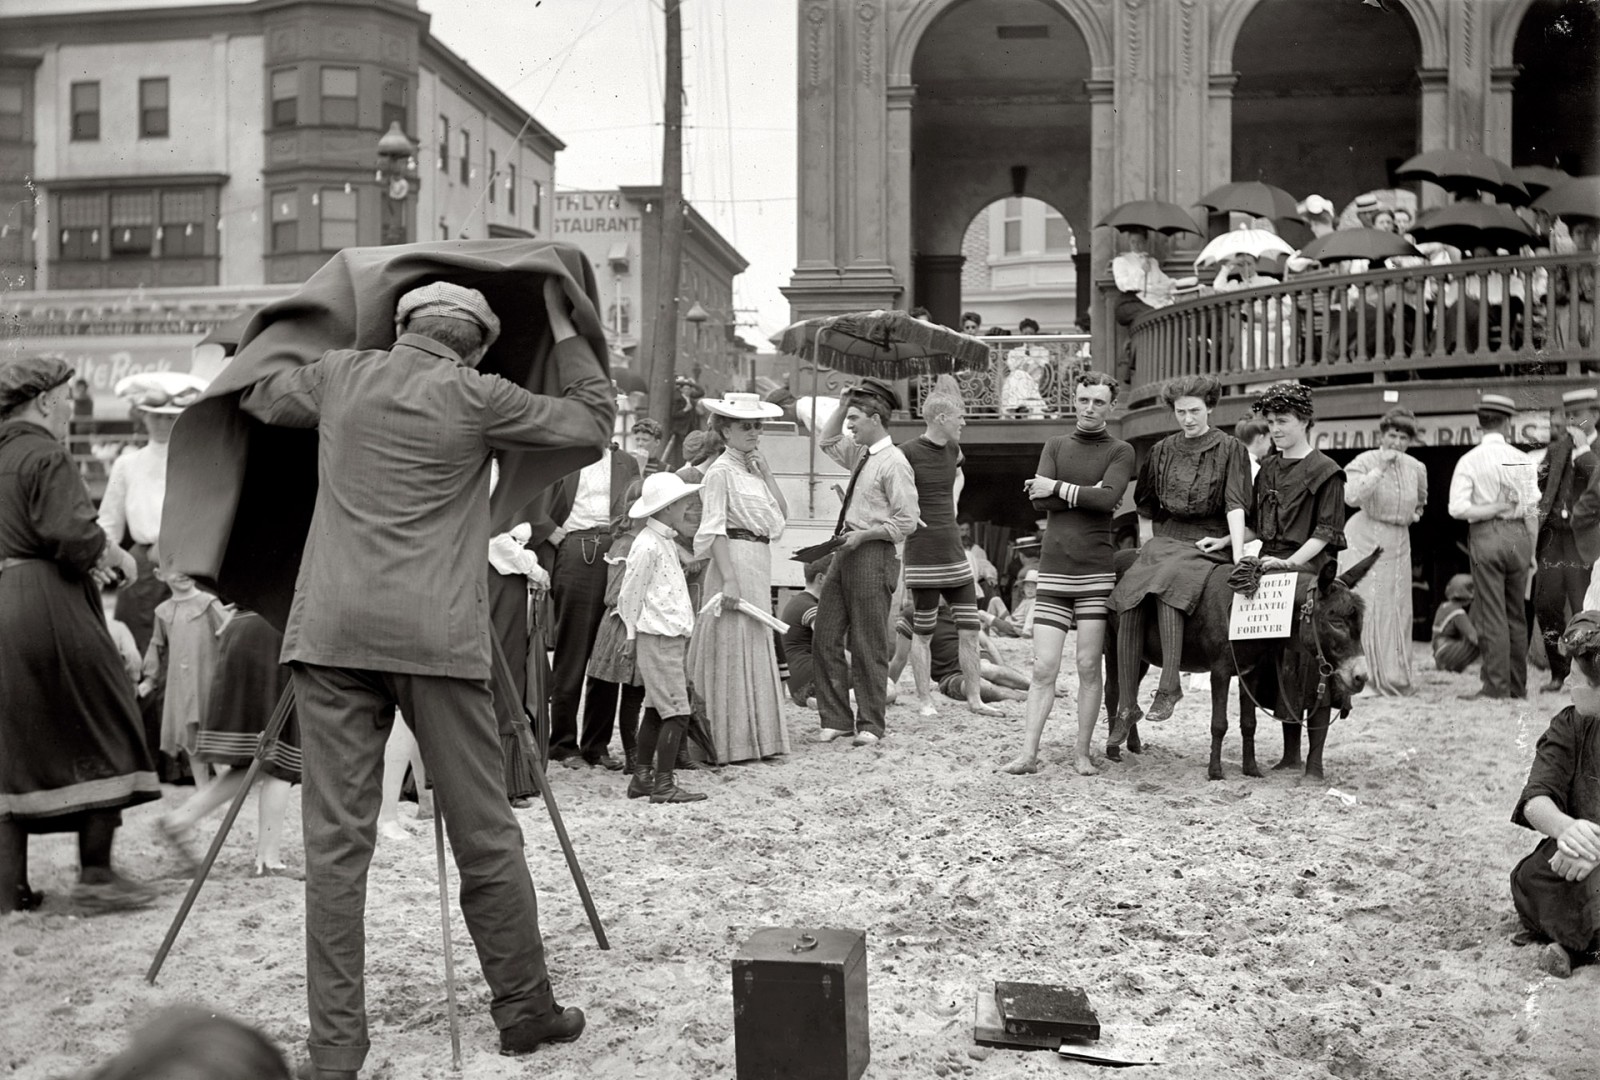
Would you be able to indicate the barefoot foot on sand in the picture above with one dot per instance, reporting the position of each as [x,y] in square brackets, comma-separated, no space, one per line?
[393,830]
[1085,766]
[978,708]
[927,708]
[1023,766]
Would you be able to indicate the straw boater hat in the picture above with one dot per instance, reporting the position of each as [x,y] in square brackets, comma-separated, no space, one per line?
[1497,403]
[448,301]
[165,393]
[1588,396]
[660,491]
[741,406]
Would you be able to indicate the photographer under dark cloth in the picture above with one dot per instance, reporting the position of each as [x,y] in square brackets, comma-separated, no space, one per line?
[391,609]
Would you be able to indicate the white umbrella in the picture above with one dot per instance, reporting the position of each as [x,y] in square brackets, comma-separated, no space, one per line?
[1257,242]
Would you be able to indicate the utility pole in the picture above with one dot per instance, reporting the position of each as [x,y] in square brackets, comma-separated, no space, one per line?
[669,229]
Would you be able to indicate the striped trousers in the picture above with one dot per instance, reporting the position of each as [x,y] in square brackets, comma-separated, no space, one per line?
[854,607]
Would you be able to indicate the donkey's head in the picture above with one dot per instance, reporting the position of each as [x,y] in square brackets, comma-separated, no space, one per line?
[1337,616]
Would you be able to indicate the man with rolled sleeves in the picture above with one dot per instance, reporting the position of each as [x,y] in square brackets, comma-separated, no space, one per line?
[1495,491]
[880,510]
[391,609]
[1565,472]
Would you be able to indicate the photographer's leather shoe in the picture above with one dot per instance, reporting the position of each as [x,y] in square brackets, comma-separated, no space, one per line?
[562,1025]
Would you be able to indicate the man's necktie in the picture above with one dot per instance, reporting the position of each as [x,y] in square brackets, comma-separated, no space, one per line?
[850,490]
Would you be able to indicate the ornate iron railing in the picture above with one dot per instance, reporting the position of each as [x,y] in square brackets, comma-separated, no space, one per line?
[1026,378]
[1495,317]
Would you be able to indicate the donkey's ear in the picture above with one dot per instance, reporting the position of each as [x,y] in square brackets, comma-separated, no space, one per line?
[1352,576]
[1326,575]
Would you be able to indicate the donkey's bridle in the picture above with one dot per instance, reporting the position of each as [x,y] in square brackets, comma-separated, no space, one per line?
[1325,668]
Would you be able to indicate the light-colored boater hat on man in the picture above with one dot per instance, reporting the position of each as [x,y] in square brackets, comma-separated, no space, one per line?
[449,301]
[741,406]
[1587,396]
[660,491]
[165,393]
[1497,403]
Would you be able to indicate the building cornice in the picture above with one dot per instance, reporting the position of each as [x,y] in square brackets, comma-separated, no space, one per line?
[467,81]
[116,24]
[90,183]
[699,228]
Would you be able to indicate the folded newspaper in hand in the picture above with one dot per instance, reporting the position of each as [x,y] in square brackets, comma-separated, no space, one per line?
[715,603]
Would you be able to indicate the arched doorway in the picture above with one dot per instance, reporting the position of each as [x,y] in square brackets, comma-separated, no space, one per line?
[1000,109]
[1555,106]
[1328,99]
[1018,264]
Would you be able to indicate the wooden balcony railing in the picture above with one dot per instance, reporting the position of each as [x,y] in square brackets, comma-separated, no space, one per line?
[1026,378]
[1491,317]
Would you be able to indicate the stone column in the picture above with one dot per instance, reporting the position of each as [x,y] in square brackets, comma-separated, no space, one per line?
[863,87]
[898,203]
[938,287]
[1135,176]
[1181,146]
[1435,131]
[1468,65]
[816,263]
[1219,129]
[1497,116]
[1103,190]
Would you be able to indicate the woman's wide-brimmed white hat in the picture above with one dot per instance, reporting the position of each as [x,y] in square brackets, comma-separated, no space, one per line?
[167,393]
[742,406]
[660,491]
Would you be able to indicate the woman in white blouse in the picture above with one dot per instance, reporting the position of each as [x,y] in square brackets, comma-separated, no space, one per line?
[733,665]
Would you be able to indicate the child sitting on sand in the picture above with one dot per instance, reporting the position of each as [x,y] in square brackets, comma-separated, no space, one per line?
[1455,639]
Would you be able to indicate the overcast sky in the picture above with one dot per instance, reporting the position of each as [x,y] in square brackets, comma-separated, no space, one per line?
[591,71]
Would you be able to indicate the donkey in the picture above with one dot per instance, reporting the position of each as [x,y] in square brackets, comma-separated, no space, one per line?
[1318,668]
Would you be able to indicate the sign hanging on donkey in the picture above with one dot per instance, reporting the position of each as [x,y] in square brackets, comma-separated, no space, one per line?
[1268,614]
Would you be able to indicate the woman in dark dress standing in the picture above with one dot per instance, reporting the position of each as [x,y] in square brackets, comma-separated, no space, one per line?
[1298,516]
[1195,487]
[72,749]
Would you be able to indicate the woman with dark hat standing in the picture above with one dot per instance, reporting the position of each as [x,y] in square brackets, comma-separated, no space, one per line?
[72,752]
[1556,889]
[1195,486]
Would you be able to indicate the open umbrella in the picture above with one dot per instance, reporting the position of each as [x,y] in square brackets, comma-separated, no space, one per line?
[1151,214]
[1257,242]
[1578,198]
[883,344]
[1469,225]
[1462,172]
[1254,198]
[1539,179]
[1370,244]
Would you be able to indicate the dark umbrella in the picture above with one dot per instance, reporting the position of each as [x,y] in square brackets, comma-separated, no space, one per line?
[1370,244]
[1254,198]
[1539,179]
[1151,214]
[883,344]
[1463,172]
[628,381]
[1578,198]
[1468,225]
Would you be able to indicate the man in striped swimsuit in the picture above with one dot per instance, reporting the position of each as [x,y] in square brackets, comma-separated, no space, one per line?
[936,564]
[1080,482]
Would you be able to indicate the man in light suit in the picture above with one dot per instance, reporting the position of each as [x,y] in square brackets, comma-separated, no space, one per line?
[586,503]
[391,609]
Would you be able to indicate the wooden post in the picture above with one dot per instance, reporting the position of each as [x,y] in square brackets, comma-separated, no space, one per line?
[669,229]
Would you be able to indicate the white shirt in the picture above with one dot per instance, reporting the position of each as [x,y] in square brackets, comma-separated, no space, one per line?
[1494,471]
[1140,274]
[134,494]
[591,504]
[654,598]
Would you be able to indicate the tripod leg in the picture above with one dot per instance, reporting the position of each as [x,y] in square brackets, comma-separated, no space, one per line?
[444,926]
[504,691]
[269,738]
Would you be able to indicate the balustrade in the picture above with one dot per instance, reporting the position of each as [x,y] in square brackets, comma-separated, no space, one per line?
[1489,317]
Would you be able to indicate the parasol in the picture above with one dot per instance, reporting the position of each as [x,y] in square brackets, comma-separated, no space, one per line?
[1461,171]
[1370,244]
[1469,225]
[1254,198]
[1256,242]
[1578,198]
[882,344]
[1539,179]
[1151,214]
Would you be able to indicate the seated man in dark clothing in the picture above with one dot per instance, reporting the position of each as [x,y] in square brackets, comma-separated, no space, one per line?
[999,683]
[801,615]
[1556,888]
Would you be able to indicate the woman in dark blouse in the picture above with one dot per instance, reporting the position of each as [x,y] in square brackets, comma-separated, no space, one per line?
[72,749]
[1298,512]
[1555,888]
[1195,487]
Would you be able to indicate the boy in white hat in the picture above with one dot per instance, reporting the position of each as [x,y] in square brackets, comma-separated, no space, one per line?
[655,609]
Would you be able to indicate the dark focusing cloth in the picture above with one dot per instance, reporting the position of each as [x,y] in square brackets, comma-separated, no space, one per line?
[1566,770]
[1186,487]
[70,734]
